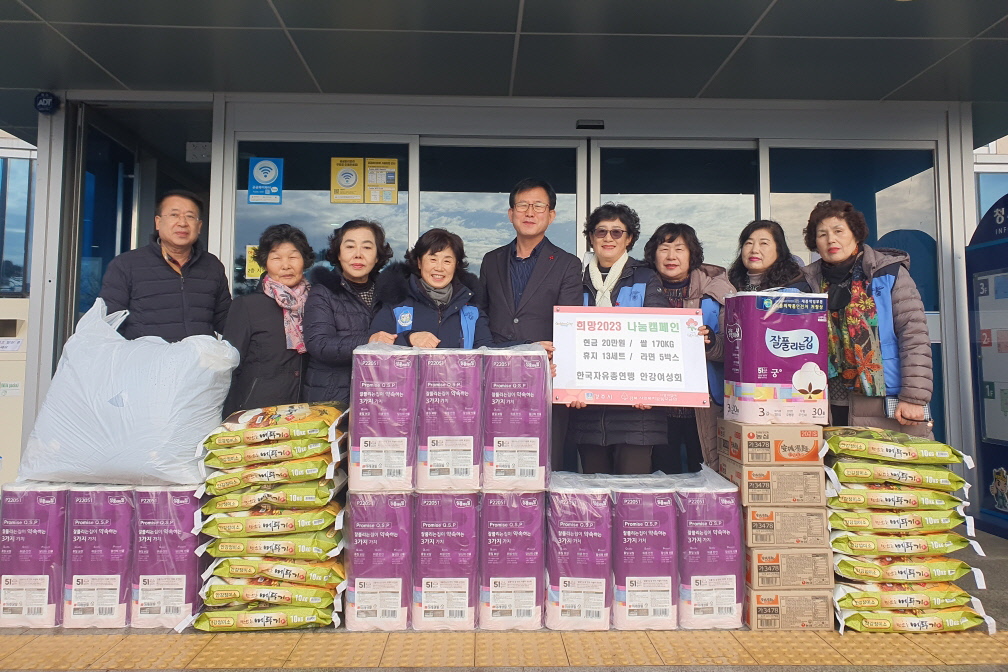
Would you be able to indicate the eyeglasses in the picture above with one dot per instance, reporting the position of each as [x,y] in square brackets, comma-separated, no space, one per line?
[176,217]
[522,206]
[615,233]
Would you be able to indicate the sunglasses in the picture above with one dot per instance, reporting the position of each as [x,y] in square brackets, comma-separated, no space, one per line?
[615,233]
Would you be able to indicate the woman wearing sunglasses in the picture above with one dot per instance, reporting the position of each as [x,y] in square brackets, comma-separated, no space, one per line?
[617,439]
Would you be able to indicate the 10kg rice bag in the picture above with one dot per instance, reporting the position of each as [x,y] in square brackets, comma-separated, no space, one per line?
[307,495]
[314,546]
[884,496]
[899,521]
[889,446]
[265,521]
[243,456]
[262,617]
[932,543]
[295,471]
[904,570]
[276,423]
[848,470]
[321,573]
[221,592]
[953,619]
[883,596]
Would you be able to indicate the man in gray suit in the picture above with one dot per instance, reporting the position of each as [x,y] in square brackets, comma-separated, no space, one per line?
[526,278]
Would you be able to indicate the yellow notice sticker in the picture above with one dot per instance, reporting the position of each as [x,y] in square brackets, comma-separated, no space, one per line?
[346,180]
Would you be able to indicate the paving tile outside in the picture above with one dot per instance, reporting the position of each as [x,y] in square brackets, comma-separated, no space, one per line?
[159,652]
[252,650]
[878,648]
[10,643]
[72,652]
[964,648]
[520,649]
[610,648]
[345,649]
[430,649]
[788,648]
[699,647]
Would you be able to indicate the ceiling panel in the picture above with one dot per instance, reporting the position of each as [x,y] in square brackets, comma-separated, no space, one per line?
[824,68]
[681,17]
[408,63]
[211,59]
[10,10]
[617,65]
[976,72]
[881,18]
[470,15]
[33,55]
[17,108]
[235,13]
[1000,30]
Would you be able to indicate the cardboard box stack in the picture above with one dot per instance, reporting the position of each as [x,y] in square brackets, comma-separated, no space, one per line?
[892,513]
[769,444]
[276,528]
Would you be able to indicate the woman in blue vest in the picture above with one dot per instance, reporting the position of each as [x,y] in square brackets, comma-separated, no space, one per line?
[675,252]
[431,301]
[617,439]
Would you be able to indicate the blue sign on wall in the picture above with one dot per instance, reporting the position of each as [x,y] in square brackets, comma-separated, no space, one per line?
[265,183]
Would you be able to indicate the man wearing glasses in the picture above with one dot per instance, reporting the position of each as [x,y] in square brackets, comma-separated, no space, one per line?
[171,287]
[527,277]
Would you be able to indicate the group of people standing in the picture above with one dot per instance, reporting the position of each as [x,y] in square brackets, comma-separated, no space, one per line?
[296,335]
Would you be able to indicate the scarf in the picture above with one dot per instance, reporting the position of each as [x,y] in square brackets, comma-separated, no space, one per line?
[292,300]
[603,288]
[440,297]
[754,282]
[855,354]
[365,290]
[676,292]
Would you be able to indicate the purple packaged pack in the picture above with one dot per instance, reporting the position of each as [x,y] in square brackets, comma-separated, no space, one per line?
[645,561]
[166,569]
[578,553]
[516,419]
[450,419]
[383,418]
[512,535]
[31,555]
[98,558]
[379,560]
[780,373]
[711,558]
[445,571]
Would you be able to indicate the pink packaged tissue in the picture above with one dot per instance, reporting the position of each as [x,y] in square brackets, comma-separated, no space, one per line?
[445,571]
[379,560]
[512,558]
[450,419]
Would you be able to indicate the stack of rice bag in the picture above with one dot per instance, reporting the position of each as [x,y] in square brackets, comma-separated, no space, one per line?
[893,513]
[276,527]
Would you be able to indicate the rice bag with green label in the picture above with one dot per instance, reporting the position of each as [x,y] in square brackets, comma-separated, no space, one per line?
[307,495]
[884,596]
[953,619]
[323,573]
[927,476]
[265,520]
[889,446]
[932,543]
[891,569]
[276,423]
[295,471]
[898,521]
[314,546]
[887,496]
[263,617]
[263,453]
[221,592]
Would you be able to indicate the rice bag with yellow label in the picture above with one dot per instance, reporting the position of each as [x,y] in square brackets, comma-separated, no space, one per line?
[265,520]
[927,476]
[867,543]
[897,521]
[952,619]
[276,423]
[295,471]
[322,573]
[264,453]
[884,596]
[891,569]
[221,592]
[314,546]
[889,446]
[887,496]
[264,617]
[307,495]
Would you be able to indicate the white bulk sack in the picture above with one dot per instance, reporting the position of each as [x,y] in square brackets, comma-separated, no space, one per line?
[128,412]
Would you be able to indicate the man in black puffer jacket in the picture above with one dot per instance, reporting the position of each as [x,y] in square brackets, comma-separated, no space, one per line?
[171,287]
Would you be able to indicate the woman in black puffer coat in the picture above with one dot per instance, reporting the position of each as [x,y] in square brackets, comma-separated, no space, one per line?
[340,308]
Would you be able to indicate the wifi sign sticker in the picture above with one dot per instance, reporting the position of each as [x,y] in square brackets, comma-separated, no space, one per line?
[265,183]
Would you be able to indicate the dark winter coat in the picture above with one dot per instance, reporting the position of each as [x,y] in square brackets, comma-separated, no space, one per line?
[610,425]
[336,321]
[162,302]
[269,373]
[397,287]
